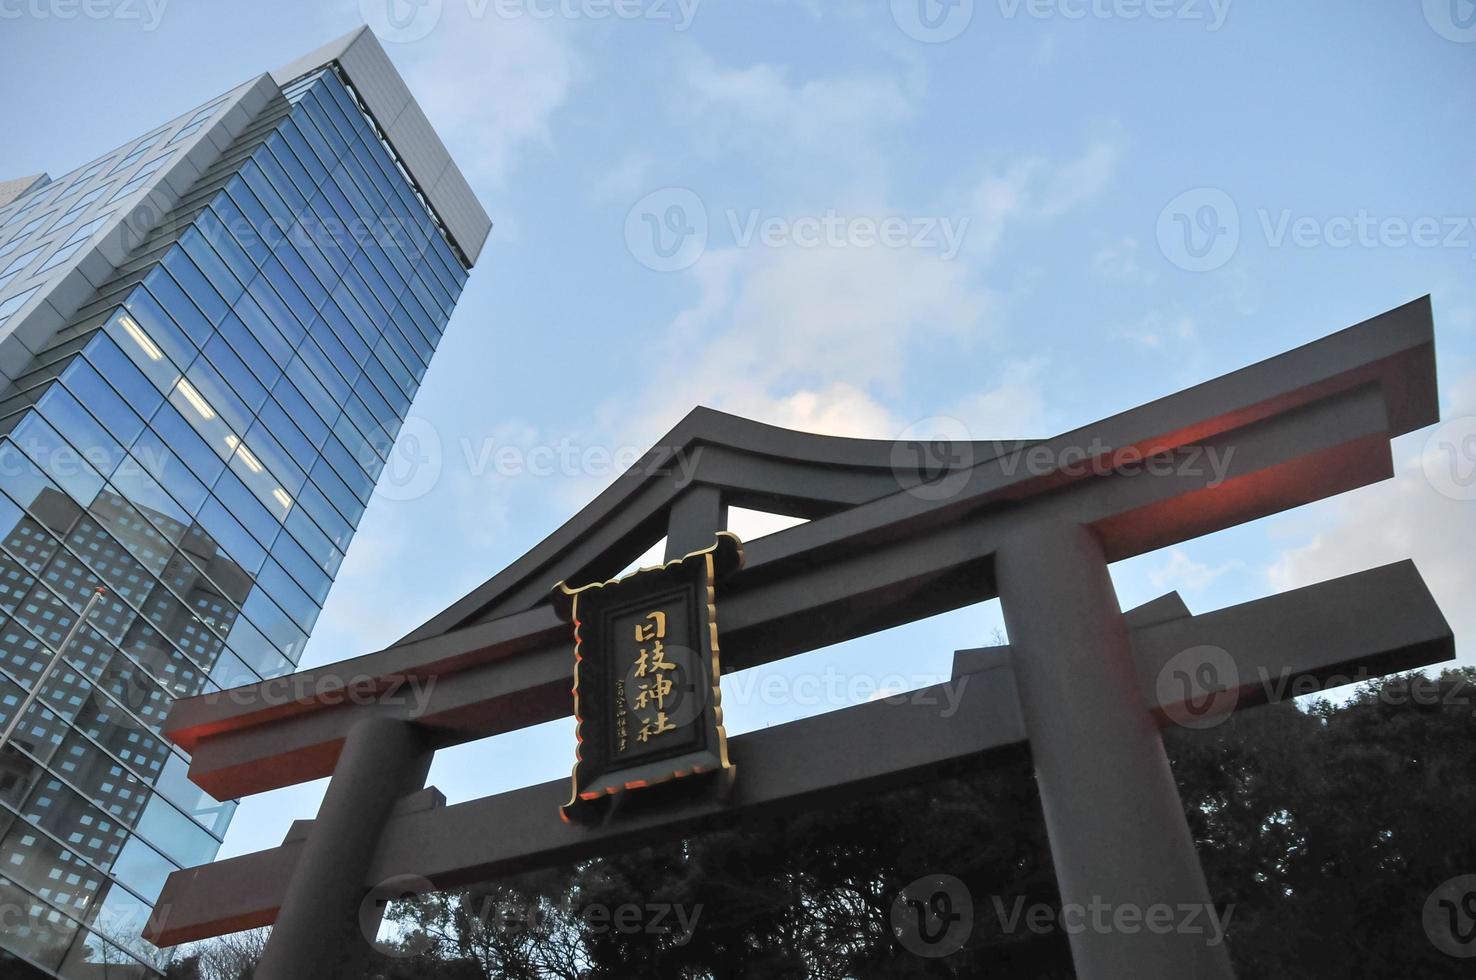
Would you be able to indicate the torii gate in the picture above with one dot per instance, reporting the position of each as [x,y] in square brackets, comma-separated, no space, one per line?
[1033,523]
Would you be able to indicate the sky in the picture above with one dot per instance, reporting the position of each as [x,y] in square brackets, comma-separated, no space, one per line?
[1001,218]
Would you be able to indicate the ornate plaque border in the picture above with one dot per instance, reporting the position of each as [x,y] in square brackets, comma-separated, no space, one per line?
[596,778]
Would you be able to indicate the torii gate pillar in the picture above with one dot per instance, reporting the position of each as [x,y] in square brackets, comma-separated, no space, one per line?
[1118,834]
[318,932]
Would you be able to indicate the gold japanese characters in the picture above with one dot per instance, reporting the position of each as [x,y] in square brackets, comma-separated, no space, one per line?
[646,667]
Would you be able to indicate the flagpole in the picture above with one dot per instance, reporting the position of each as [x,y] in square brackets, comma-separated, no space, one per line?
[56,658]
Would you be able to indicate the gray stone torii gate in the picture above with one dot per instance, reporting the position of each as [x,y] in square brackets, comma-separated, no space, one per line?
[1034,523]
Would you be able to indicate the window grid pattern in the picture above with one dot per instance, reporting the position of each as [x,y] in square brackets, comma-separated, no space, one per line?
[204,454]
[39,231]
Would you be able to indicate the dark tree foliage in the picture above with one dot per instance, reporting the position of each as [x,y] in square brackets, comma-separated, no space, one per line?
[1323,830]
[1329,829]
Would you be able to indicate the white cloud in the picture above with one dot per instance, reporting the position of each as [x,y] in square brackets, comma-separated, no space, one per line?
[489,84]
[1047,51]
[810,112]
[1118,262]
[1012,408]
[1183,572]
[837,409]
[1034,189]
[808,338]
[819,339]
[761,109]
[1080,180]
[625,179]
[1462,317]
[356,619]
[814,9]
[1405,517]
[1159,332]
[1455,304]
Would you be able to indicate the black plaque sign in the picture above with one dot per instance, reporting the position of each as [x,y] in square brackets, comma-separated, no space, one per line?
[647,702]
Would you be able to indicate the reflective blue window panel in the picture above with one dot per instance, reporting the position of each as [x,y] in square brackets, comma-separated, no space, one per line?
[202,451]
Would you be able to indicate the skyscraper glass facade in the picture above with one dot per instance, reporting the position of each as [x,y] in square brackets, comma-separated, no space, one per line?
[199,442]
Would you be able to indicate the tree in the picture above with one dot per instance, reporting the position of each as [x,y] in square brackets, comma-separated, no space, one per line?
[232,957]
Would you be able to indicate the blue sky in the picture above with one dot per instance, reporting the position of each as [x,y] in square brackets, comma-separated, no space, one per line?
[1039,162]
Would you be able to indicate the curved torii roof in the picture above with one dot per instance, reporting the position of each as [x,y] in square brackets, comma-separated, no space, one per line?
[753,465]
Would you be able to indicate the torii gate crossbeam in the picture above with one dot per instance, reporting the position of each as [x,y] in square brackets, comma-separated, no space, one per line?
[1034,523]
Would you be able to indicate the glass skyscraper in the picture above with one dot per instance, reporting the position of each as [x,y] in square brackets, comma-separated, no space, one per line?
[208,341]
